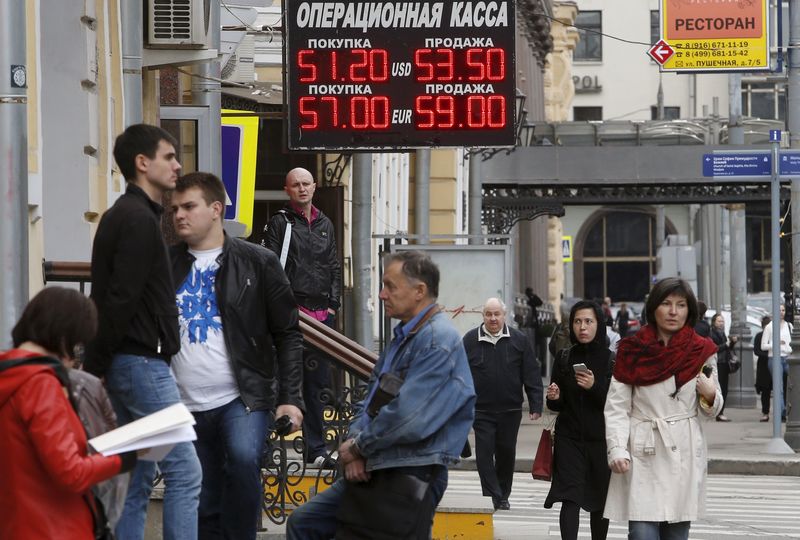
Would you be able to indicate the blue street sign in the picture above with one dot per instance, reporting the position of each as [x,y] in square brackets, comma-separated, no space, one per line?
[774,135]
[789,164]
[730,164]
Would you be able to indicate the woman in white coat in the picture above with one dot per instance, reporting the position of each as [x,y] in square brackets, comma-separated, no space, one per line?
[664,382]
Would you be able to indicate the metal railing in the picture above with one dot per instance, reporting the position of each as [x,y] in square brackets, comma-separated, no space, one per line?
[283,466]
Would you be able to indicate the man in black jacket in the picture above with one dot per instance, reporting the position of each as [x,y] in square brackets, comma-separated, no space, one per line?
[304,240]
[138,324]
[235,307]
[502,362]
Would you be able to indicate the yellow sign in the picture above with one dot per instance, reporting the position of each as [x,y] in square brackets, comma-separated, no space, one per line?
[566,248]
[716,35]
[239,148]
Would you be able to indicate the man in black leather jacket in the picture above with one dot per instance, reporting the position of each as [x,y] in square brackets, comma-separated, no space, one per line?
[308,255]
[235,307]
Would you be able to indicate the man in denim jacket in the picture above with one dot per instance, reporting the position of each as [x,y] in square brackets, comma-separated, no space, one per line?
[421,431]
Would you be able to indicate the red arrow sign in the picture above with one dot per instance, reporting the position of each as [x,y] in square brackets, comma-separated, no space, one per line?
[661,52]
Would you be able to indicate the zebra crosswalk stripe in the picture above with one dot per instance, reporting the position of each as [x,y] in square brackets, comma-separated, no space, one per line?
[763,507]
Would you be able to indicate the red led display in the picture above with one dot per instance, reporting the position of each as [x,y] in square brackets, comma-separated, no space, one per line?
[462,112]
[388,75]
[343,66]
[448,65]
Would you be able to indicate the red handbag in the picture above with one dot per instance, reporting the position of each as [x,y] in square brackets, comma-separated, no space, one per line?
[543,462]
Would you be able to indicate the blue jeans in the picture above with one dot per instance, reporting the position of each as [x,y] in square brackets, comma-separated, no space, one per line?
[782,390]
[658,530]
[230,442]
[138,386]
[316,519]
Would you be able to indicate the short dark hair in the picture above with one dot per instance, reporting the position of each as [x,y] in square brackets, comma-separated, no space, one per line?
[417,266]
[666,287]
[138,139]
[58,320]
[701,308]
[210,185]
[714,317]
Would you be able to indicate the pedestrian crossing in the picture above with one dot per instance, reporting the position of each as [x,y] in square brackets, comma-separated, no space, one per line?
[767,507]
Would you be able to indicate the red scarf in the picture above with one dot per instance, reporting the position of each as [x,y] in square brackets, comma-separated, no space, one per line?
[642,359]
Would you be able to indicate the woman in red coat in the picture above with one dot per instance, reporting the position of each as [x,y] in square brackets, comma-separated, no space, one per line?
[45,468]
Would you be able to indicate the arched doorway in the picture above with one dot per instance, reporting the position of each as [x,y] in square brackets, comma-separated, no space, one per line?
[615,254]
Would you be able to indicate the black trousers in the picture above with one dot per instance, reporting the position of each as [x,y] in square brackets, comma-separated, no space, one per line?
[496,451]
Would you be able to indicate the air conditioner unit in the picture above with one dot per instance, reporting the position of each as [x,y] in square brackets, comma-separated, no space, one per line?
[177,24]
[241,64]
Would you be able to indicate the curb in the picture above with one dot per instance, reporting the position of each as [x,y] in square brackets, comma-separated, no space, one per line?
[745,465]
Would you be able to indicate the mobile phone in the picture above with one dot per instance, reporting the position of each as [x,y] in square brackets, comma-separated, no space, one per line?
[707,371]
[579,367]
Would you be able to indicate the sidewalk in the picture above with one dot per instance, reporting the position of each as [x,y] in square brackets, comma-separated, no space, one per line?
[736,447]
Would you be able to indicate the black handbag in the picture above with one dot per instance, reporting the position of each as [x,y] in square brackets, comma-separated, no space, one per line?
[387,507]
[733,362]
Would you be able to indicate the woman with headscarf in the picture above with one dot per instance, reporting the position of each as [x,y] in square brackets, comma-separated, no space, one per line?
[665,381]
[45,467]
[577,392]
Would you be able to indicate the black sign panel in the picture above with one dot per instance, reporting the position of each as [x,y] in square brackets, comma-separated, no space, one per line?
[385,75]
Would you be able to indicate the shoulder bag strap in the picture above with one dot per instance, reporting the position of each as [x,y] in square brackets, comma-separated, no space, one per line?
[287,238]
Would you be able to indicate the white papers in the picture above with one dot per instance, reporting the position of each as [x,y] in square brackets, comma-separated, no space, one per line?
[159,432]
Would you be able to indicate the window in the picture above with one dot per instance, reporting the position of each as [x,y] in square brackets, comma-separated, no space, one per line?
[655,29]
[587,113]
[590,46]
[764,100]
[670,113]
[619,256]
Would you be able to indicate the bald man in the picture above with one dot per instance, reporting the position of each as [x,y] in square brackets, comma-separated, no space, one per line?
[304,240]
[502,363]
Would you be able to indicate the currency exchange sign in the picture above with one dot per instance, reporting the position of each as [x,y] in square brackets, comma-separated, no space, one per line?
[716,35]
[370,74]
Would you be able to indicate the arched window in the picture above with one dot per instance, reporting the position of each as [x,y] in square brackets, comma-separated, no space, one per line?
[616,254]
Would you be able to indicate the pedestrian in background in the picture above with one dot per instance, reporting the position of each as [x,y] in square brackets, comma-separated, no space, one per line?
[45,466]
[138,325]
[621,320]
[785,349]
[725,346]
[701,327]
[763,378]
[502,362]
[305,242]
[607,317]
[656,445]
[580,470]
[227,291]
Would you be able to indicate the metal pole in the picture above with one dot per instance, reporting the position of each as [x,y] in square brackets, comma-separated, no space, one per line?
[362,253]
[422,190]
[131,15]
[207,90]
[475,197]
[661,225]
[792,435]
[14,179]
[741,384]
[793,125]
[776,445]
